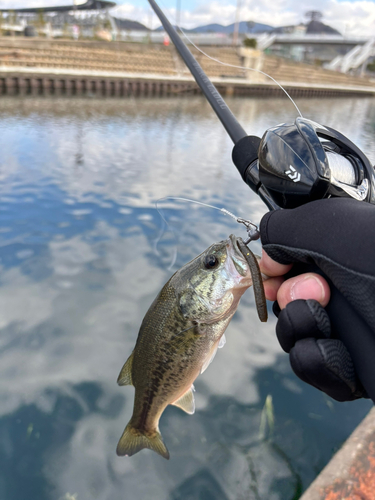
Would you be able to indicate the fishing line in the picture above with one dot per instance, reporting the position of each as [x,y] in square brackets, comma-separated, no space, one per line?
[198,203]
[166,223]
[247,223]
[160,235]
[234,66]
[243,67]
[251,228]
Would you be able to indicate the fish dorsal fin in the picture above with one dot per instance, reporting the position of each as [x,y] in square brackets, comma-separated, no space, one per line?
[186,402]
[125,377]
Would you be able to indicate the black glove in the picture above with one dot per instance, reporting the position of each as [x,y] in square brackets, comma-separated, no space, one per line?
[332,349]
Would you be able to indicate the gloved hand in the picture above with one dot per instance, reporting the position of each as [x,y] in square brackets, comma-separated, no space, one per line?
[331,348]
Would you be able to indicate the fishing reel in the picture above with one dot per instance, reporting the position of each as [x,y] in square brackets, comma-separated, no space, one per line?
[296,163]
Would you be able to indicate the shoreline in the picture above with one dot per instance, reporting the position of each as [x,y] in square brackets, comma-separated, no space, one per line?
[24,80]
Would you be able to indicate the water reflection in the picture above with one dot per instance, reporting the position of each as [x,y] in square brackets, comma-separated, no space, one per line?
[82,259]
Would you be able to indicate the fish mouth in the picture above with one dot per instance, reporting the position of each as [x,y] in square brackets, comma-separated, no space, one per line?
[236,256]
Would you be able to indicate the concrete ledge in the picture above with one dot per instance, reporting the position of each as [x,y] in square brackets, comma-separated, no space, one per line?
[15,77]
[350,475]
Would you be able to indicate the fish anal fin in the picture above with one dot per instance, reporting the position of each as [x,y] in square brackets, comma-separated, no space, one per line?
[133,440]
[186,402]
[125,377]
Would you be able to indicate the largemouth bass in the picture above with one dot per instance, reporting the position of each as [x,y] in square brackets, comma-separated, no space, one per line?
[180,335]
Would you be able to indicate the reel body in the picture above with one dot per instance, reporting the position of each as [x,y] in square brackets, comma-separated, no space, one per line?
[305,161]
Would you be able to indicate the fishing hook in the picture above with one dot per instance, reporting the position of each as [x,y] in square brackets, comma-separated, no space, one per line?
[251,228]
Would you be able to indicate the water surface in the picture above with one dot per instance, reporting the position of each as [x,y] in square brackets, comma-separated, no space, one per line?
[83,254]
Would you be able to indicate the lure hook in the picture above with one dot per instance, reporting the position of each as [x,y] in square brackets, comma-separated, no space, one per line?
[251,228]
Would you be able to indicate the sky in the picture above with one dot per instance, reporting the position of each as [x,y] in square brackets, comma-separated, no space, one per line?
[350,17]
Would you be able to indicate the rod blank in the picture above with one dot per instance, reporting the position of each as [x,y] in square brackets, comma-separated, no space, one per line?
[230,123]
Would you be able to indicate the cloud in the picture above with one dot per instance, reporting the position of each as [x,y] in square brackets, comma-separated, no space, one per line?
[355,18]
[351,18]
[19,4]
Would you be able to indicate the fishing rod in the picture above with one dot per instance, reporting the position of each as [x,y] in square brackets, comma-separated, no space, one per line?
[293,163]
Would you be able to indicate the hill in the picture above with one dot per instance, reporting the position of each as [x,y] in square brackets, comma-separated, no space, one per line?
[244,27]
[317,27]
[128,24]
[314,27]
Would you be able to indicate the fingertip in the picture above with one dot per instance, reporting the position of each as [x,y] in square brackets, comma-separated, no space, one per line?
[271,286]
[272,268]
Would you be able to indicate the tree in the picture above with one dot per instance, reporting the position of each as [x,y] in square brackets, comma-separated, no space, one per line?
[41,21]
[314,15]
[250,43]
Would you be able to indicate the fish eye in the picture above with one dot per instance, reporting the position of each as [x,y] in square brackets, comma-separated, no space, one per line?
[211,261]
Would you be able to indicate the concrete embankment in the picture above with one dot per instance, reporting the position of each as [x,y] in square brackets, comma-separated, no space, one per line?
[350,475]
[122,69]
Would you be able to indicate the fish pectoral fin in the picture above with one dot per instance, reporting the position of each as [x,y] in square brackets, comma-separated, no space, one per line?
[125,377]
[210,358]
[222,342]
[134,440]
[186,402]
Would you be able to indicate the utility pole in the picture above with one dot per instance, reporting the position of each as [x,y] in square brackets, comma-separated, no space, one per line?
[178,13]
[236,24]
[150,14]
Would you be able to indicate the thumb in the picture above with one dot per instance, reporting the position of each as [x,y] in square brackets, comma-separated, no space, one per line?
[305,286]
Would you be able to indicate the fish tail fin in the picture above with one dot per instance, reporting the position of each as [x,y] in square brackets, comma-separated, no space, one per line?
[134,440]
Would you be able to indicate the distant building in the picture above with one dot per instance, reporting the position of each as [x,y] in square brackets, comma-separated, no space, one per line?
[313,27]
[317,54]
[67,7]
[74,18]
